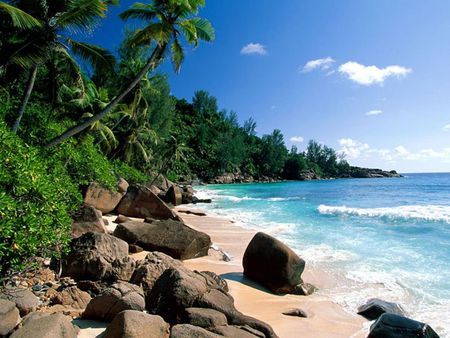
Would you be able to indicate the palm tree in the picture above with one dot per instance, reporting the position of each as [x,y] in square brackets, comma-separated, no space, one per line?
[48,26]
[166,22]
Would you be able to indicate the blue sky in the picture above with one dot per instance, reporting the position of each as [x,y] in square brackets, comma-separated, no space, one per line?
[369,78]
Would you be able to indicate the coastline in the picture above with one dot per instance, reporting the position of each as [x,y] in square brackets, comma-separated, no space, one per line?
[325,317]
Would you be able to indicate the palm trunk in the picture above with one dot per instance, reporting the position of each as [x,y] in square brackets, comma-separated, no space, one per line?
[26,97]
[156,56]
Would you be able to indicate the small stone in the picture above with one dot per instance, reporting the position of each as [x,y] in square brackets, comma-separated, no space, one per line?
[296,313]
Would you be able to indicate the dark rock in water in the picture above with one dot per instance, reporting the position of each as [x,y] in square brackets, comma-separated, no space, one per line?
[206,318]
[24,299]
[187,195]
[179,289]
[296,313]
[375,307]
[196,200]
[394,326]
[304,289]
[168,236]
[238,331]
[191,331]
[119,297]
[9,317]
[47,326]
[174,195]
[140,201]
[272,264]
[136,324]
[95,256]
[87,219]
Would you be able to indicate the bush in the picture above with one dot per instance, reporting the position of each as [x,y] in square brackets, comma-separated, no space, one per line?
[132,175]
[36,198]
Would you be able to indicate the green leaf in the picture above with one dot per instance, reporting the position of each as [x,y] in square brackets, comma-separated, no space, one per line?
[99,58]
[19,18]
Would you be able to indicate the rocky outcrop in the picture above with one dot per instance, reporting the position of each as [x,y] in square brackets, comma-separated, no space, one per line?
[136,324]
[95,256]
[119,297]
[206,318]
[104,199]
[228,178]
[272,264]
[24,299]
[179,289]
[375,307]
[87,219]
[140,201]
[72,297]
[238,331]
[47,326]
[175,195]
[393,326]
[168,236]
[191,331]
[357,172]
[9,317]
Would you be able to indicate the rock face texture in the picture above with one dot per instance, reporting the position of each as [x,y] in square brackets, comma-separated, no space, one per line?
[140,201]
[104,199]
[9,317]
[137,324]
[168,236]
[47,326]
[87,219]
[179,289]
[393,326]
[72,297]
[191,331]
[272,264]
[119,297]
[374,308]
[24,299]
[95,256]
[174,195]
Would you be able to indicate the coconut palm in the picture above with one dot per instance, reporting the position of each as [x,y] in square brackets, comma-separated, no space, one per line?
[167,21]
[47,32]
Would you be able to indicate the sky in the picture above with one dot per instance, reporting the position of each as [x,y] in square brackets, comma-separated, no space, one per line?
[370,78]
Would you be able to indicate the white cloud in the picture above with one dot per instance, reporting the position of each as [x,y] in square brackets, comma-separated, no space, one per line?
[254,48]
[369,75]
[323,64]
[352,149]
[374,112]
[296,139]
[446,127]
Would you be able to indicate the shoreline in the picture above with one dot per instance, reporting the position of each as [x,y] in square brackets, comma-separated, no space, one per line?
[325,317]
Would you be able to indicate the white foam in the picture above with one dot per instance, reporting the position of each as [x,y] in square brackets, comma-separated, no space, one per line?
[325,253]
[438,213]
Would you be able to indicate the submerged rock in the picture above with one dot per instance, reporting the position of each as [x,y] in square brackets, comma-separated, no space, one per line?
[394,326]
[272,264]
[375,307]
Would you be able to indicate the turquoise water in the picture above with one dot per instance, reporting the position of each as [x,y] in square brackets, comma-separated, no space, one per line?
[387,238]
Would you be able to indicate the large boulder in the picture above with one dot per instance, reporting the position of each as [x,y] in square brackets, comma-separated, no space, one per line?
[24,299]
[179,289]
[238,331]
[272,264]
[375,307]
[95,256]
[47,326]
[72,297]
[168,236]
[206,318]
[119,297]
[140,201]
[174,195]
[394,326]
[87,219]
[104,199]
[191,331]
[9,317]
[137,324]
[187,195]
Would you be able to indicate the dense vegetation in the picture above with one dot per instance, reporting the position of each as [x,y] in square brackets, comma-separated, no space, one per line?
[62,128]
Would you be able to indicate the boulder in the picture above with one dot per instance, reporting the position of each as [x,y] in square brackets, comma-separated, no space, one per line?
[304,289]
[238,331]
[72,297]
[9,317]
[95,256]
[191,331]
[122,185]
[47,326]
[104,199]
[168,236]
[174,195]
[119,297]
[151,268]
[389,325]
[136,324]
[179,289]
[87,219]
[206,318]
[222,283]
[24,299]
[140,201]
[375,307]
[122,219]
[296,313]
[272,264]
[187,195]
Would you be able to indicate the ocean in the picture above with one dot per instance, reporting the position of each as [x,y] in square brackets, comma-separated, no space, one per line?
[387,238]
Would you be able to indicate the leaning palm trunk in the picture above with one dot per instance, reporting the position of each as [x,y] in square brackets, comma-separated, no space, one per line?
[26,97]
[154,59]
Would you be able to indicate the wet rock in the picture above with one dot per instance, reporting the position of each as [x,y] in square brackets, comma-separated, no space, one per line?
[375,307]
[389,325]
[206,318]
[9,317]
[168,236]
[272,264]
[137,324]
[24,299]
[47,326]
[191,331]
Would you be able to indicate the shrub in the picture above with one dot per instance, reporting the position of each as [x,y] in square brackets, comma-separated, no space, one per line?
[131,174]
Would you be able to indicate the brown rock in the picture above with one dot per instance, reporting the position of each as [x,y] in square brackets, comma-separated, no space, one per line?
[304,289]
[122,185]
[9,317]
[296,313]
[272,264]
[174,195]
[72,297]
[24,299]
[47,326]
[101,198]
[238,331]
[122,219]
[137,324]
[87,219]
[191,331]
[140,201]
[206,318]
[168,236]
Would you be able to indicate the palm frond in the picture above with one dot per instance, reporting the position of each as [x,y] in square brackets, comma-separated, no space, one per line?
[204,29]
[177,54]
[82,14]
[19,18]
[100,59]
[155,32]
[139,11]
